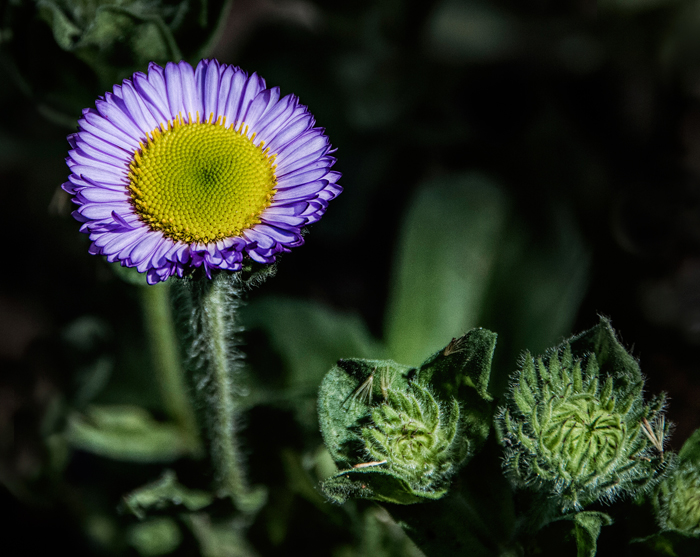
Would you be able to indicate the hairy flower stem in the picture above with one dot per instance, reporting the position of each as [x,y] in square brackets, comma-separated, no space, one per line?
[158,321]
[207,319]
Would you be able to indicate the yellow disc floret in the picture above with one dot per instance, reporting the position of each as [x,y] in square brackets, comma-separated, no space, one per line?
[201,182]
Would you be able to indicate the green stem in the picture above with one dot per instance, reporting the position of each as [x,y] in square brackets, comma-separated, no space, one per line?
[230,469]
[158,320]
[209,328]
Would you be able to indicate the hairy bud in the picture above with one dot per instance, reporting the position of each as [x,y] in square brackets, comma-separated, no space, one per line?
[416,437]
[579,434]
[399,433]
[678,500]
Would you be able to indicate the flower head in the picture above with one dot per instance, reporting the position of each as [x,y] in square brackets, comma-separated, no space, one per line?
[197,167]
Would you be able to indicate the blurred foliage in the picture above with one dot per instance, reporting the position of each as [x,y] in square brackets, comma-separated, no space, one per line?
[543,155]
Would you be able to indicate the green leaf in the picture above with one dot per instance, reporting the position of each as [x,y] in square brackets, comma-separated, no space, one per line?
[130,275]
[611,355]
[118,37]
[462,370]
[690,452]
[587,528]
[157,536]
[220,538]
[536,285]
[446,257]
[464,364]
[65,32]
[163,494]
[373,484]
[125,433]
[310,337]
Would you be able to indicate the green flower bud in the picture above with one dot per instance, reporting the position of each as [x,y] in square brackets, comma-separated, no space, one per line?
[399,433]
[678,500]
[577,435]
[416,437]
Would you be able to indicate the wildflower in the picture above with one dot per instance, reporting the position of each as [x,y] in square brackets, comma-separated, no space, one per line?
[197,167]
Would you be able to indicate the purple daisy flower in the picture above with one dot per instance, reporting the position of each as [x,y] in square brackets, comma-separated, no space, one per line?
[186,167]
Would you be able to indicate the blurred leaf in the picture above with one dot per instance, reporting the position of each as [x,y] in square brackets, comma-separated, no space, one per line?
[125,433]
[64,30]
[690,451]
[157,536]
[165,493]
[446,256]
[130,275]
[113,36]
[451,526]
[587,527]
[633,5]
[299,480]
[679,49]
[383,537]
[472,31]
[538,285]
[62,53]
[219,538]
[86,340]
[310,337]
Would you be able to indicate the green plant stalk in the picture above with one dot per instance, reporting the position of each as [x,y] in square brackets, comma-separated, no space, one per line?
[160,329]
[207,310]
[222,368]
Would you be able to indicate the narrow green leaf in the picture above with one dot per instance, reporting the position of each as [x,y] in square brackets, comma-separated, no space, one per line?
[439,286]
[163,494]
[125,433]
[375,484]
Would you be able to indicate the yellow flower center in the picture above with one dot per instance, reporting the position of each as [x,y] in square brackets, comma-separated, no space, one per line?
[201,182]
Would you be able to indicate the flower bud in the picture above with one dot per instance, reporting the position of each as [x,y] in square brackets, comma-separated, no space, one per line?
[678,500]
[578,434]
[399,433]
[416,437]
